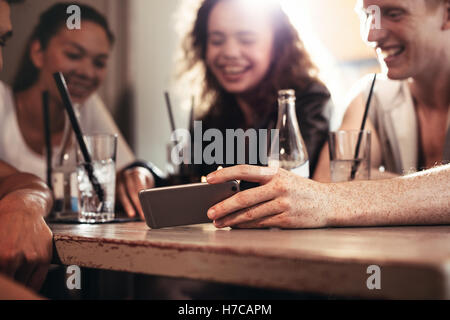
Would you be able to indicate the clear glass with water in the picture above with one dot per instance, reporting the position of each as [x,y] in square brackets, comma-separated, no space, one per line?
[345,164]
[102,149]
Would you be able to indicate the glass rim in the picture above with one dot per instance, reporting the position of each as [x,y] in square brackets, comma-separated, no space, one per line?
[105,143]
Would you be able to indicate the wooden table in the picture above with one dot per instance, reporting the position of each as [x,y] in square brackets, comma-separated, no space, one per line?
[414,261]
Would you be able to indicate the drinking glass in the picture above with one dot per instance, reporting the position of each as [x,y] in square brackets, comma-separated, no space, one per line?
[100,173]
[346,164]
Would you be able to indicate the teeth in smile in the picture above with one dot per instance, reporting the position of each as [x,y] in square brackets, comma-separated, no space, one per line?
[389,52]
[234,70]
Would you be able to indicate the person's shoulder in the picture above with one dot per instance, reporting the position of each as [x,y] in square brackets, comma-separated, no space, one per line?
[5,96]
[384,86]
[315,100]
[385,93]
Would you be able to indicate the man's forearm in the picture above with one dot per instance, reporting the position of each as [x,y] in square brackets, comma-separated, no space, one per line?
[24,189]
[422,198]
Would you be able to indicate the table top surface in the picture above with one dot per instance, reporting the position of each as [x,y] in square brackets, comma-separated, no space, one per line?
[394,244]
[411,248]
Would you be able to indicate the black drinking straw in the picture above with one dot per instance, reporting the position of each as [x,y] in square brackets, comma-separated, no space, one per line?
[48,141]
[191,115]
[169,110]
[363,125]
[62,87]
[171,118]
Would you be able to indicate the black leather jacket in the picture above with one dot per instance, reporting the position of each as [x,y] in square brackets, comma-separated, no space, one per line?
[313,109]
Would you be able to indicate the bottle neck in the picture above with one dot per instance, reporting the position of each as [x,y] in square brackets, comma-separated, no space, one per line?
[286,112]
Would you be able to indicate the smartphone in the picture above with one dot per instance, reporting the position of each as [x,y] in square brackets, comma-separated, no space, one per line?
[183,205]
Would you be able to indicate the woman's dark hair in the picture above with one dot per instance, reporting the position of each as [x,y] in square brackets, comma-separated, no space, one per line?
[50,23]
[291,67]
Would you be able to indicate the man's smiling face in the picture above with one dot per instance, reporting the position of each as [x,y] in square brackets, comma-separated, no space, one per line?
[410,37]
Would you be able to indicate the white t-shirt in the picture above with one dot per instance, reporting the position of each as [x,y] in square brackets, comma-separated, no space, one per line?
[94,118]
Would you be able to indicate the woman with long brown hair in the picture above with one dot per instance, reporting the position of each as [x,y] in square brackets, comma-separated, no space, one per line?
[247,51]
[239,55]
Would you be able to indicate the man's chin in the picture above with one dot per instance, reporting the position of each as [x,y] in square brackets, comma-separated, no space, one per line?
[394,74]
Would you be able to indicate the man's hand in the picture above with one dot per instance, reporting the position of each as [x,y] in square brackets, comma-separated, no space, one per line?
[284,200]
[25,238]
[129,183]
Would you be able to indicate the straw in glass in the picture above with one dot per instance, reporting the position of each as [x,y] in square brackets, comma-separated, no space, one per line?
[62,87]
[171,118]
[356,164]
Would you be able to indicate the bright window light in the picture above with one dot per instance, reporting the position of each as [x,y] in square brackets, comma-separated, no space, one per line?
[299,12]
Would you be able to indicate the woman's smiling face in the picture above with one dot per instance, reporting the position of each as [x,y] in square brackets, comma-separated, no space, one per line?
[240,45]
[81,55]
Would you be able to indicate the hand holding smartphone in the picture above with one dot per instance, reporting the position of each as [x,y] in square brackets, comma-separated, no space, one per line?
[183,205]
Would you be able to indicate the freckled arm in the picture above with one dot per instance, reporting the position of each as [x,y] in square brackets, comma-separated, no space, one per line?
[420,199]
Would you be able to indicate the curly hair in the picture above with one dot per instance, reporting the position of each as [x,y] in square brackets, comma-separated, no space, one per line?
[291,67]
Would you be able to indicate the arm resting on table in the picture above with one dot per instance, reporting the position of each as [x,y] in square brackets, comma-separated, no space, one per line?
[419,199]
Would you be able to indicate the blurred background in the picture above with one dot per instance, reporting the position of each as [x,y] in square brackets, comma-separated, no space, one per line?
[142,66]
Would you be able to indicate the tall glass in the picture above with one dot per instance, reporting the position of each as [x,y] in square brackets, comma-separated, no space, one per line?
[345,164]
[102,149]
